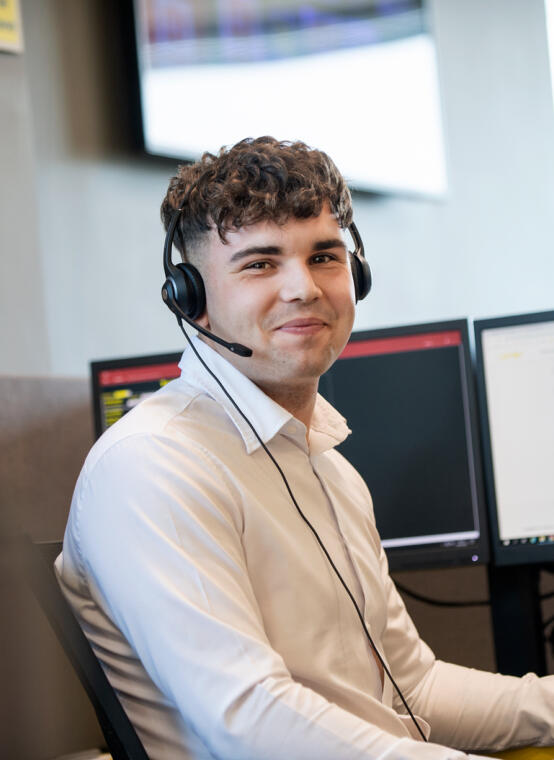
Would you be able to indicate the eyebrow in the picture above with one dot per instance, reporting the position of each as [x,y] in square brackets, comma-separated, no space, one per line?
[324,245]
[263,250]
[275,250]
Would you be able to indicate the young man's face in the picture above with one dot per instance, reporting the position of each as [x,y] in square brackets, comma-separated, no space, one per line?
[284,291]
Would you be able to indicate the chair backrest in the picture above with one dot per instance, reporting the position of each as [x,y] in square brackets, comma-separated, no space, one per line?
[121,738]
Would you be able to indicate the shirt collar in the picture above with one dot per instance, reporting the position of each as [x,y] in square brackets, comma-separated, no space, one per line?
[328,428]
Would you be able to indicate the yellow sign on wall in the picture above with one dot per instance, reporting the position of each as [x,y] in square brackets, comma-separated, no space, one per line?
[11,36]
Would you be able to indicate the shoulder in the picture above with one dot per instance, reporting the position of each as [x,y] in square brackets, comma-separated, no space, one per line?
[157,472]
[167,450]
[153,417]
[176,419]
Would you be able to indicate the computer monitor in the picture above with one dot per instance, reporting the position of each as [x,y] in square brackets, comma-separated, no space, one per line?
[119,384]
[515,377]
[407,393]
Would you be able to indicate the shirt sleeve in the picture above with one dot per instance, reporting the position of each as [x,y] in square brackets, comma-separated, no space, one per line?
[162,556]
[465,707]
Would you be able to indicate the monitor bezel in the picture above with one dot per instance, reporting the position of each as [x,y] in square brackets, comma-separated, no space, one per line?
[412,558]
[514,554]
[99,365]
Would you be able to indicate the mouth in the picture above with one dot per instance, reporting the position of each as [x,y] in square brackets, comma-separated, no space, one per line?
[303,326]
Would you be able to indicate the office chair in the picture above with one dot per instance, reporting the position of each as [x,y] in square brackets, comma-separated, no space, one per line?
[38,564]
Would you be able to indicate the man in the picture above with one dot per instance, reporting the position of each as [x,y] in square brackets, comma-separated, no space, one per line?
[210,526]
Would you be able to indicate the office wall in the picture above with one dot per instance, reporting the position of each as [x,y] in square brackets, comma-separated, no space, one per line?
[98,210]
[24,344]
[94,246]
[486,249]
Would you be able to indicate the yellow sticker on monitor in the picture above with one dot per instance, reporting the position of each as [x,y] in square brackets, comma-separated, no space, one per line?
[11,34]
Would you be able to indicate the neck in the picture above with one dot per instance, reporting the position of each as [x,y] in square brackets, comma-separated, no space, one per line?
[297,398]
[299,401]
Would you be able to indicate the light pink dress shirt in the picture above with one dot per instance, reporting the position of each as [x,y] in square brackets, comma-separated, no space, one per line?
[218,619]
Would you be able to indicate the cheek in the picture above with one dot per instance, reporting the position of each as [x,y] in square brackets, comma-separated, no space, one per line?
[236,308]
[219,309]
[345,298]
[256,303]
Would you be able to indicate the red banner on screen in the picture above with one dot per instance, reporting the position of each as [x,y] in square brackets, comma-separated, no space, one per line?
[400,343]
[128,375]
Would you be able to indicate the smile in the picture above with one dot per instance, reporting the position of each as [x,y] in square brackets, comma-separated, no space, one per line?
[306,326]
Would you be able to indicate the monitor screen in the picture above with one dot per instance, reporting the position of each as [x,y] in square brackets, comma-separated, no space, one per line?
[515,372]
[213,73]
[408,397]
[119,384]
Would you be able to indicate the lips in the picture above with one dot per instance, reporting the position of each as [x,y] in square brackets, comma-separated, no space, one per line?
[303,325]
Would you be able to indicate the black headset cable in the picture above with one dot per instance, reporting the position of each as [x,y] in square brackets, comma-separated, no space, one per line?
[310,526]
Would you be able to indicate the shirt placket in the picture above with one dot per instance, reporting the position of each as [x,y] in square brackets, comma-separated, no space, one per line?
[363,591]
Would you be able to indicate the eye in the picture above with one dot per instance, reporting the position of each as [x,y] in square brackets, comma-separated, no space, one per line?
[323,258]
[260,266]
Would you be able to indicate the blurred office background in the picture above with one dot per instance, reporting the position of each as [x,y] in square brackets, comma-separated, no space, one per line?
[80,273]
[81,236]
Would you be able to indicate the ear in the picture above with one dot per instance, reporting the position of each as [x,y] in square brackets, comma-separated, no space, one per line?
[204,320]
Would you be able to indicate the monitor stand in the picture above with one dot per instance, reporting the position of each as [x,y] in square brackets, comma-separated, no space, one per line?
[517,619]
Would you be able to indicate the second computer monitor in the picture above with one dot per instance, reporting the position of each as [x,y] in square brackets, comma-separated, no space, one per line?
[515,363]
[407,393]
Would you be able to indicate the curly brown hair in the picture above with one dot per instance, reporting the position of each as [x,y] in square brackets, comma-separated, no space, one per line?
[255,180]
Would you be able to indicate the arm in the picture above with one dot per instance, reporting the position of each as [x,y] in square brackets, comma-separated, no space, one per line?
[466,707]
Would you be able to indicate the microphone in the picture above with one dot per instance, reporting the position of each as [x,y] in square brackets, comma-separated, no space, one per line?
[170,301]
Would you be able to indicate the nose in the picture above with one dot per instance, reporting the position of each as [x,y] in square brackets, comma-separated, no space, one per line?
[299,283]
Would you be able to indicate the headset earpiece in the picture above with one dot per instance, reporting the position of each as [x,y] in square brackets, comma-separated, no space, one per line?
[361,273]
[185,289]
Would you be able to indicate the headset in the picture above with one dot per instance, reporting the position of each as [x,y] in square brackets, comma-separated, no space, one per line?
[183,293]
[183,290]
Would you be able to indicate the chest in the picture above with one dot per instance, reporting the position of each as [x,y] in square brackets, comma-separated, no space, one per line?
[306,609]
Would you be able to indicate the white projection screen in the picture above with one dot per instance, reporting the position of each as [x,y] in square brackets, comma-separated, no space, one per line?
[356,79]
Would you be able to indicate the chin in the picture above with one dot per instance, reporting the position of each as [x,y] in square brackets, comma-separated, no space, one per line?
[312,369]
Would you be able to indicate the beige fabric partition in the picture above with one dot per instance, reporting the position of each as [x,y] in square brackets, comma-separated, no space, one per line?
[45,432]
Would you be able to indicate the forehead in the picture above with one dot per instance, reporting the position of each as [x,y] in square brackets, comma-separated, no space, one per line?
[291,234]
